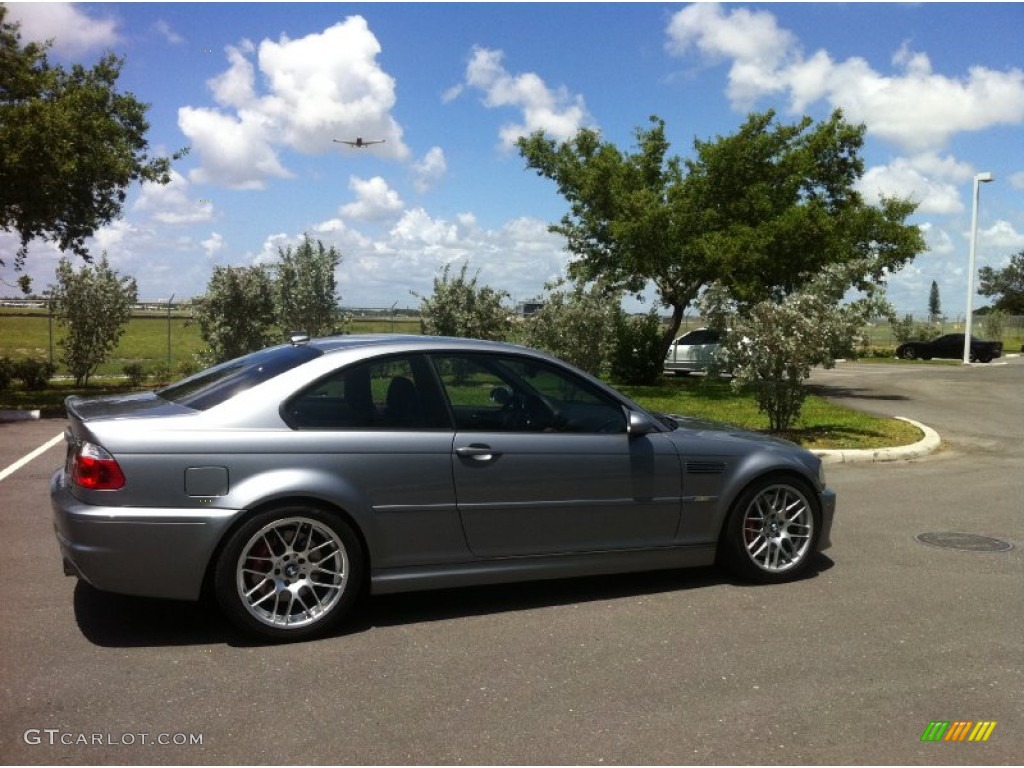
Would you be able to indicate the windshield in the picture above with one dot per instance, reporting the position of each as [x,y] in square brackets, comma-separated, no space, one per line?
[215,385]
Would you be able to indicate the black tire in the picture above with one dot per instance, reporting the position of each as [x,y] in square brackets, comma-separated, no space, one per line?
[289,573]
[757,520]
[681,373]
[984,357]
[908,353]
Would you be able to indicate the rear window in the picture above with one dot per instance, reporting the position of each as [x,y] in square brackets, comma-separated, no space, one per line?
[215,385]
[698,337]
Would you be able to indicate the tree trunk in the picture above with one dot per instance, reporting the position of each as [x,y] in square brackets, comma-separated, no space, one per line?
[673,328]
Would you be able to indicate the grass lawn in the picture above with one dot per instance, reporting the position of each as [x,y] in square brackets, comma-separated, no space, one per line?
[822,425]
[145,340]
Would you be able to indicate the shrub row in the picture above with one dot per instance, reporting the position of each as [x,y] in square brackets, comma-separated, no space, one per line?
[33,374]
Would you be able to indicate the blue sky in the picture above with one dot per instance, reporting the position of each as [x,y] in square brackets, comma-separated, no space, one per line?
[259,90]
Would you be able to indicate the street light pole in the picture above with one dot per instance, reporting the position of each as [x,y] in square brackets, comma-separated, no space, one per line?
[979,179]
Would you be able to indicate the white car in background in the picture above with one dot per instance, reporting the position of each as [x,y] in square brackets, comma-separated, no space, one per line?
[692,352]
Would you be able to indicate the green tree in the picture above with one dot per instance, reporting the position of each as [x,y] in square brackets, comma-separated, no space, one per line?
[934,304]
[236,314]
[460,307]
[94,304]
[762,211]
[576,325]
[1006,284]
[70,144]
[306,289]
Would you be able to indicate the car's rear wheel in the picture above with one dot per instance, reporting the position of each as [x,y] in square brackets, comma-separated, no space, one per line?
[908,353]
[289,573]
[772,530]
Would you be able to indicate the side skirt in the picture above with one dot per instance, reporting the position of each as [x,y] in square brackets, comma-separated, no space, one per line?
[513,569]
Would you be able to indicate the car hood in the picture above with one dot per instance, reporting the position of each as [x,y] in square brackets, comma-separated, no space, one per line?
[725,433]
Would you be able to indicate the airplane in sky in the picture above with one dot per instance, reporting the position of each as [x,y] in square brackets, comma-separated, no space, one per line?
[360,142]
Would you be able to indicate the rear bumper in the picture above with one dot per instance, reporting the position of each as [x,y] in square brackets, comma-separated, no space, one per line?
[136,551]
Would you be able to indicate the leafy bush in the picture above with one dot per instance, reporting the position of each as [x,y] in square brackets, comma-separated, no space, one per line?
[6,373]
[636,357]
[771,347]
[136,374]
[459,307]
[162,374]
[33,374]
[188,367]
[909,329]
[994,324]
[577,326]
[94,304]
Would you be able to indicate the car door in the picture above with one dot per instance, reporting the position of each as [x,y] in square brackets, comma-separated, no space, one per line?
[543,464]
[380,428]
[950,346]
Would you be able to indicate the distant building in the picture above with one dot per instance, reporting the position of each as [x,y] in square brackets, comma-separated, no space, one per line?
[528,308]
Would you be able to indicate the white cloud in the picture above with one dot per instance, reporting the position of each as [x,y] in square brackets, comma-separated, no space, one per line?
[556,112]
[236,86]
[1001,235]
[374,200]
[172,203]
[915,108]
[113,235]
[235,151]
[74,32]
[164,29]
[1017,180]
[213,244]
[938,240]
[316,88]
[928,180]
[430,169]
[752,39]
[376,271]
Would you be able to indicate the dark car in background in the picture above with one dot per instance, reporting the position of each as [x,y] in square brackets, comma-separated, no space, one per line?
[951,347]
[288,481]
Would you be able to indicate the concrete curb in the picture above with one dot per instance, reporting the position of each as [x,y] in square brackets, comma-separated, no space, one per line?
[6,416]
[926,445]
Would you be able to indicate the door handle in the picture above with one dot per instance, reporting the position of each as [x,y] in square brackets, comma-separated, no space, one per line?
[477,451]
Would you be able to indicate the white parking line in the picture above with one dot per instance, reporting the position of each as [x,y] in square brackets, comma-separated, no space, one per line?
[34,455]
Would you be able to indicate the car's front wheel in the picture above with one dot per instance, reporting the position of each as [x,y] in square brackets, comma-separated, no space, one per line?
[772,530]
[289,573]
[908,353]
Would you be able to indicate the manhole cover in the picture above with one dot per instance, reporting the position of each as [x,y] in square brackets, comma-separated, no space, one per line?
[968,542]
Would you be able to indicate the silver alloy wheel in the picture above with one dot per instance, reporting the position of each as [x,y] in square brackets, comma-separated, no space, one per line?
[292,572]
[778,527]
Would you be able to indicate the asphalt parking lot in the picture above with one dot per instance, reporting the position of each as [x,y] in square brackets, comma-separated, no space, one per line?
[847,666]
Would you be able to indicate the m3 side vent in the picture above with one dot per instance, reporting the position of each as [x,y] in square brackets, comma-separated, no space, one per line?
[705,467]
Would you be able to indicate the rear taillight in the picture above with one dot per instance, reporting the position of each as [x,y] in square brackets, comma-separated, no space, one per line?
[94,469]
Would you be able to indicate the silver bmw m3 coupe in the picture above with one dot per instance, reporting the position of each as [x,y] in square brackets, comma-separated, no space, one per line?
[288,481]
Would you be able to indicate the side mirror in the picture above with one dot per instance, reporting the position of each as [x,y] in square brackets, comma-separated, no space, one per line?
[640,424]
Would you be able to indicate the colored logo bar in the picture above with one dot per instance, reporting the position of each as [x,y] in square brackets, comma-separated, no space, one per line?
[958,730]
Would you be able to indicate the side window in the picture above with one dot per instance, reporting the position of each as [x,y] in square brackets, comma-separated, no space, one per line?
[387,393]
[519,394]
